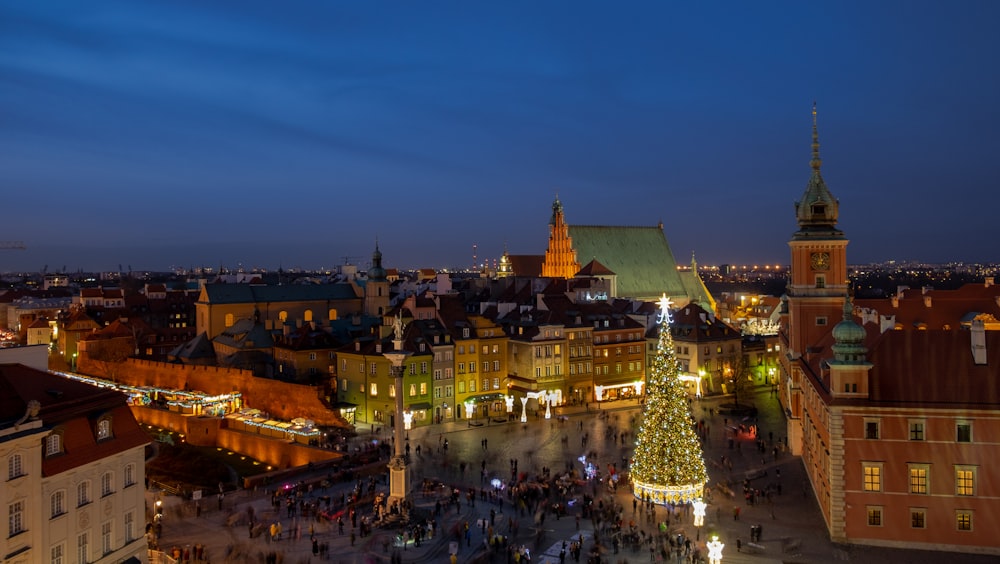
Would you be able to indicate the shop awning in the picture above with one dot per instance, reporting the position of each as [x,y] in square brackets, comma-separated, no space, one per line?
[420,406]
[485,397]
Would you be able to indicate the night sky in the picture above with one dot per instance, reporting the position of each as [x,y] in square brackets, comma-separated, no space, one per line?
[271,134]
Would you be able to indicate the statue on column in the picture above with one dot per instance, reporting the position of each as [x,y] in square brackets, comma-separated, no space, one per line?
[397,327]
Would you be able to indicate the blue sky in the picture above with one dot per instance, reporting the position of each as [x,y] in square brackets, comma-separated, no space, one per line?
[187,133]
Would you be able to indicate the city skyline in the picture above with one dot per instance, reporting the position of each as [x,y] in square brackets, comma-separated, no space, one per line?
[187,135]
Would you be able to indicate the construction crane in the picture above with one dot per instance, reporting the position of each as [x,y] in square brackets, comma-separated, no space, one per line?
[12,245]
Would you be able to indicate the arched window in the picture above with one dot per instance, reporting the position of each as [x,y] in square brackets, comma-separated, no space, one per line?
[15,466]
[53,444]
[83,493]
[332,314]
[104,428]
[107,484]
[308,315]
[283,316]
[57,504]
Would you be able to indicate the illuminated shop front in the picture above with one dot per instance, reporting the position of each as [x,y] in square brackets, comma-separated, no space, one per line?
[610,392]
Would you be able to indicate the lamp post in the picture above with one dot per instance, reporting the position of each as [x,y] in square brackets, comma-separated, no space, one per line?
[699,516]
[714,550]
[398,472]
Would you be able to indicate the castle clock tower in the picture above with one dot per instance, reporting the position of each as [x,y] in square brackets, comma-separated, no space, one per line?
[818,282]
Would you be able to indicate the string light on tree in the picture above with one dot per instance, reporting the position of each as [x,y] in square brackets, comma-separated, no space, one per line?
[668,466]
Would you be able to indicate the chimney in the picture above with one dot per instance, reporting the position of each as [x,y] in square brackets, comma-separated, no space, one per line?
[978,342]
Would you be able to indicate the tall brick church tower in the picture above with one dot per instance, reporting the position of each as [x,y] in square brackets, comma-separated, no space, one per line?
[817,287]
[560,258]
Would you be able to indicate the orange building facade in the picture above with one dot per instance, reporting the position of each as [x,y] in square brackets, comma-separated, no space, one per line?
[897,427]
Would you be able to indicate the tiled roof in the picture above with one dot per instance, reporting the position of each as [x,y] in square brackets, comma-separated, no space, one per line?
[529,266]
[640,256]
[72,406]
[594,268]
[197,348]
[936,309]
[935,368]
[246,293]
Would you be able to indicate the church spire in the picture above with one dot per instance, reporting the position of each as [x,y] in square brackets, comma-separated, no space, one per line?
[818,210]
[816,162]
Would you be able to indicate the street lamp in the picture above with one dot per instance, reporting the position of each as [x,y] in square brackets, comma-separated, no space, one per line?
[469,407]
[699,515]
[714,550]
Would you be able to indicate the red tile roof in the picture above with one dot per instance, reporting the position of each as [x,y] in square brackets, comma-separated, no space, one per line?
[73,407]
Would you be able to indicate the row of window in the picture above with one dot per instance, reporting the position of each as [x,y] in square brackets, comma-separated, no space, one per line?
[472,366]
[447,374]
[17,510]
[472,350]
[873,430]
[919,478]
[58,555]
[373,389]
[918,517]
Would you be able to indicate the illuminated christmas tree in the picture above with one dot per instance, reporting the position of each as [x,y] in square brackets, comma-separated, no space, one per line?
[668,466]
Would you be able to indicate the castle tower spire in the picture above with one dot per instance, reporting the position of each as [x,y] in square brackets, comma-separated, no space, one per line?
[818,210]
[816,162]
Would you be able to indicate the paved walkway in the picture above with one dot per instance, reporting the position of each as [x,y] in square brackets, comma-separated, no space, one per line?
[791,525]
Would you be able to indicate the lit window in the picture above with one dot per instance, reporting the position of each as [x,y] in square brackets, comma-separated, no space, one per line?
[413,390]
[918,478]
[374,389]
[103,429]
[963,520]
[918,518]
[423,388]
[872,477]
[965,481]
[874,516]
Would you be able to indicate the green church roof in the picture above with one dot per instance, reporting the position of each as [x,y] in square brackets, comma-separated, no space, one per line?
[640,256]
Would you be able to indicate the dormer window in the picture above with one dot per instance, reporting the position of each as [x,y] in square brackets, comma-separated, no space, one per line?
[104,429]
[818,209]
[53,444]
[465,332]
